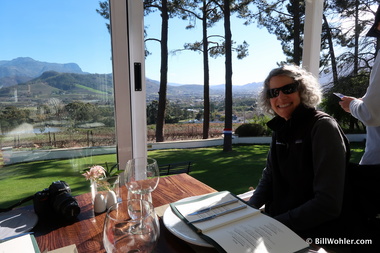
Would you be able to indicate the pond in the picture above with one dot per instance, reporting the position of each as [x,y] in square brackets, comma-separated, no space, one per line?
[26,128]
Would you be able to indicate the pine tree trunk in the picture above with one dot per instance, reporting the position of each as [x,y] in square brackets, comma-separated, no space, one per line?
[206,76]
[227,144]
[164,74]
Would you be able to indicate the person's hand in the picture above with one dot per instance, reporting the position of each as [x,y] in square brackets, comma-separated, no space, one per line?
[345,103]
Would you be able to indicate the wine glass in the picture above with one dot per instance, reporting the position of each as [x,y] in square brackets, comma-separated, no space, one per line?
[141,177]
[131,226]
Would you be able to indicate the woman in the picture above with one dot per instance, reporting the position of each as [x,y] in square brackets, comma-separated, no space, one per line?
[303,182]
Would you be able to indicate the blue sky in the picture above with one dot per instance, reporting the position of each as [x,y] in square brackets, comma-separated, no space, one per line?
[65,31]
[186,67]
[59,31]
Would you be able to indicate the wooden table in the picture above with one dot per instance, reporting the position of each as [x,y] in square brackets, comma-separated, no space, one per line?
[86,231]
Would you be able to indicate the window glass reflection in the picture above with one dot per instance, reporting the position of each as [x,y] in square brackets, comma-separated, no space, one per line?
[56,94]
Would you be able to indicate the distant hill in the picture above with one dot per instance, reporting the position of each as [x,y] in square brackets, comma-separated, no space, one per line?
[250,88]
[23,69]
[35,80]
[191,90]
[65,86]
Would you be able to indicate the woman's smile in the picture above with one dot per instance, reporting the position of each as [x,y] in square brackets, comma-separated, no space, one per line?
[284,104]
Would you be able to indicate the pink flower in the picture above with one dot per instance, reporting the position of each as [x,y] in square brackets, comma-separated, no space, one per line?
[94,173]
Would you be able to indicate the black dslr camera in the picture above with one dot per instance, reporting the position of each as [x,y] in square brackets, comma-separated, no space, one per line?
[56,199]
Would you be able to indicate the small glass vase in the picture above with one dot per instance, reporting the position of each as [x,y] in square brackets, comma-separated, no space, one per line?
[105,192]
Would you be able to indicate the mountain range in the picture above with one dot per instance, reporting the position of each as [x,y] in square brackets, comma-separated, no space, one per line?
[69,78]
[23,69]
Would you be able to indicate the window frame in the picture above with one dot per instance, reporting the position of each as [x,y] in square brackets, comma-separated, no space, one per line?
[127,38]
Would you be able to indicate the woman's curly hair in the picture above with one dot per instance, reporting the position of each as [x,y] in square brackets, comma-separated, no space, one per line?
[308,86]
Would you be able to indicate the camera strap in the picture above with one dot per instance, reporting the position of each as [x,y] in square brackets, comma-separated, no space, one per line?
[17,204]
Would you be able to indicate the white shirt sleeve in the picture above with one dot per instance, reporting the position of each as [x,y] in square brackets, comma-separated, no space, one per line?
[367,110]
[360,111]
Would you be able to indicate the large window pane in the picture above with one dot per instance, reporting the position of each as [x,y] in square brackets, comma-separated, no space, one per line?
[56,94]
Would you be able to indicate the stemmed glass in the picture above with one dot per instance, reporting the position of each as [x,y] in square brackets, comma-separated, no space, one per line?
[131,226]
[141,177]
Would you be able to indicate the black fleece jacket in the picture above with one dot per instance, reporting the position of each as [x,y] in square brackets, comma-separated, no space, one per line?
[303,183]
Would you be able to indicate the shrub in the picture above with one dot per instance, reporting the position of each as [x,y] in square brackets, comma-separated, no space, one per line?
[249,130]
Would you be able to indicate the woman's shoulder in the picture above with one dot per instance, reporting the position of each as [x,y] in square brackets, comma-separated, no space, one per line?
[322,118]
[312,116]
[320,114]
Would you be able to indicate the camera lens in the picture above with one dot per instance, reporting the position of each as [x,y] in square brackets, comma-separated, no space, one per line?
[65,205]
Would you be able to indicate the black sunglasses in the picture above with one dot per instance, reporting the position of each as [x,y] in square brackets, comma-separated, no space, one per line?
[286,89]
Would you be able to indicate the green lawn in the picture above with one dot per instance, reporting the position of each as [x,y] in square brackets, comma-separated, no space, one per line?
[235,171]
[19,181]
